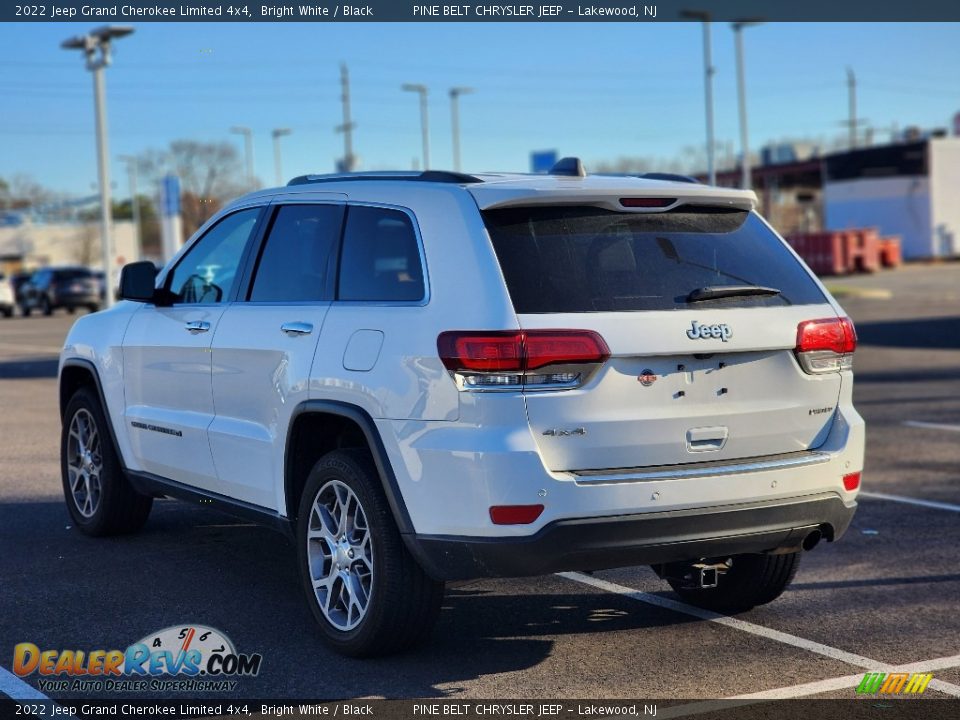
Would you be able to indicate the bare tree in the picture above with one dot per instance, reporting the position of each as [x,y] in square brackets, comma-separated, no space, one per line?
[210,173]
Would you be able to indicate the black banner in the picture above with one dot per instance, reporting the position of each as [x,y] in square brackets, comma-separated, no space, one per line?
[430,11]
[894,708]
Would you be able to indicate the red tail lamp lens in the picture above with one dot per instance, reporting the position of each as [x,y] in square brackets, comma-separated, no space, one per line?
[836,334]
[851,481]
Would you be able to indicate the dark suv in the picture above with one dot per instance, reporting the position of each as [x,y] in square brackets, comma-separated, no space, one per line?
[64,287]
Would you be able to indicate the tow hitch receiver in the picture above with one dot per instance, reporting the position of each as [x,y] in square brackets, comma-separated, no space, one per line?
[701,575]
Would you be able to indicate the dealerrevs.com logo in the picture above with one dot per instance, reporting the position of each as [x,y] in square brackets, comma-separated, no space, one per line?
[186,658]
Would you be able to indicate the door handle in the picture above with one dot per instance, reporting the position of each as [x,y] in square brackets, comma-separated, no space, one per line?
[195,327]
[294,329]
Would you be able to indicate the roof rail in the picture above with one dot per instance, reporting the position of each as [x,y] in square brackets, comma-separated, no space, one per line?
[437,176]
[672,177]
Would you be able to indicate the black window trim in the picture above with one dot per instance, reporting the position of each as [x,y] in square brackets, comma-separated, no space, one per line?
[425,300]
[252,242]
[252,264]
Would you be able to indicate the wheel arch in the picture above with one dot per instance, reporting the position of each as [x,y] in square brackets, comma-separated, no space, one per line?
[77,373]
[336,425]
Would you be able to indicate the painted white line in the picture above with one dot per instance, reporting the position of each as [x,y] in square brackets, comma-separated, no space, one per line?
[931,426]
[911,501]
[17,689]
[743,625]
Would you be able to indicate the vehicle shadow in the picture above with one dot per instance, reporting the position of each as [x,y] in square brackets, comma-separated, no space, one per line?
[197,566]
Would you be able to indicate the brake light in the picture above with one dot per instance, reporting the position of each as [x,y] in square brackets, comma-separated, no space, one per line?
[851,482]
[826,345]
[515,514]
[507,360]
[647,202]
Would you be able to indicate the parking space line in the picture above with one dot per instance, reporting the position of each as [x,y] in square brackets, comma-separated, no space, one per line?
[743,625]
[931,426]
[911,501]
[17,689]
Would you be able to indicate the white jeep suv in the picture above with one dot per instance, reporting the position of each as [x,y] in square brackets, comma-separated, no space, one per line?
[424,377]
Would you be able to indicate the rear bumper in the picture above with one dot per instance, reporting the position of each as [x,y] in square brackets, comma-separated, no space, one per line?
[640,539]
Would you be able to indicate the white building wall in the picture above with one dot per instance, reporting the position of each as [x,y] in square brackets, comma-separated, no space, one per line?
[945,195]
[40,245]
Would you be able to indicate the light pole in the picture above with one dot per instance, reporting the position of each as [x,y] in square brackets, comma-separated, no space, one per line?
[424,119]
[96,47]
[247,150]
[278,166]
[455,94]
[131,162]
[708,71]
[745,177]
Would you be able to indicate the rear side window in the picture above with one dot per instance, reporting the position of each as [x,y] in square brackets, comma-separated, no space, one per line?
[587,259]
[294,264]
[380,260]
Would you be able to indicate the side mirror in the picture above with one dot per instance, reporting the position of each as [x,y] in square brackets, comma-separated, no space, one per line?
[137,281]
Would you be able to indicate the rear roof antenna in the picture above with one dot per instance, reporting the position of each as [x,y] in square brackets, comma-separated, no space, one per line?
[569,167]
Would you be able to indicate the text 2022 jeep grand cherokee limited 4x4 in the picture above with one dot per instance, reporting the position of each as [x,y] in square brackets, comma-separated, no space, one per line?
[431,376]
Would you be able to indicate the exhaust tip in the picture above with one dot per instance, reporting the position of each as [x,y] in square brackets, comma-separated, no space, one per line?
[811,540]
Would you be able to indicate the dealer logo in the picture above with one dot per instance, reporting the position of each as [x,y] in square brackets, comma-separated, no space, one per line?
[180,657]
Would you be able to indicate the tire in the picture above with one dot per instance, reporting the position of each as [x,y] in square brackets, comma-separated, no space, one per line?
[71,309]
[45,307]
[104,502]
[25,310]
[402,604]
[93,307]
[752,580]
[8,312]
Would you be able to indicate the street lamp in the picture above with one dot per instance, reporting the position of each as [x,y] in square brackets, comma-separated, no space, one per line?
[247,150]
[708,71]
[277,134]
[131,162]
[745,178]
[96,46]
[424,120]
[455,94]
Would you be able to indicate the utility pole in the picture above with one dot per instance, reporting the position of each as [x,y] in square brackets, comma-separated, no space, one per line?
[424,119]
[348,164]
[708,71]
[745,175]
[248,151]
[455,94]
[101,40]
[852,99]
[277,164]
[131,162]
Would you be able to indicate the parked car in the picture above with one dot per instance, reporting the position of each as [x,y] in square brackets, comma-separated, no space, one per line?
[61,287]
[7,296]
[18,280]
[423,377]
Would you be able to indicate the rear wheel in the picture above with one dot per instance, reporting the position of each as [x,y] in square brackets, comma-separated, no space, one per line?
[45,307]
[751,580]
[25,310]
[99,497]
[8,312]
[93,308]
[367,593]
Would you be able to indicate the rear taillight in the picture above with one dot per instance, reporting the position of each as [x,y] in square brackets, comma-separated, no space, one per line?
[827,345]
[515,514]
[521,359]
[851,481]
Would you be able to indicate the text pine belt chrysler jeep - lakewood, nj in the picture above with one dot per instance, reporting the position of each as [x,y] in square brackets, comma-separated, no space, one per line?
[432,376]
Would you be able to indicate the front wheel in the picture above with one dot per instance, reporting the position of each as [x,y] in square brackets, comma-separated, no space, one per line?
[45,307]
[751,580]
[367,593]
[99,497]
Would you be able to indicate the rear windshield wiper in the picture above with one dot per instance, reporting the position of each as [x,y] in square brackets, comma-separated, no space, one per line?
[714,292]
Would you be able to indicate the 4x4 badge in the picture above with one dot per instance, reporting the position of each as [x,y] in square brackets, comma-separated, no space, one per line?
[720,331]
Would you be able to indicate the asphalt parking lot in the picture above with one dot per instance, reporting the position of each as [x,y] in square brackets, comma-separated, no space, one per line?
[886,596]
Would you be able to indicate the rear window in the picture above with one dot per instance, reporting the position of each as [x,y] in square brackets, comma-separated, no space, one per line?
[587,259]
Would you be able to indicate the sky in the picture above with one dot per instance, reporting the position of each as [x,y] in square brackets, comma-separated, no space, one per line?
[599,91]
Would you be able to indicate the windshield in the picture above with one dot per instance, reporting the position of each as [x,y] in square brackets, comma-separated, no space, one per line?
[587,259]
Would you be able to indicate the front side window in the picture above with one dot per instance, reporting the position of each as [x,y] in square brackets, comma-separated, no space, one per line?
[293,266]
[380,260]
[208,273]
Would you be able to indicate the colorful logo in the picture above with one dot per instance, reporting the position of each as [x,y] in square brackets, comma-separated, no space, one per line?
[894,683]
[196,656]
